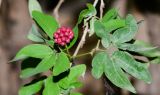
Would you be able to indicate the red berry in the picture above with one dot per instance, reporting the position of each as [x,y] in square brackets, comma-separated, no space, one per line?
[55,40]
[63,39]
[68,30]
[62,43]
[55,35]
[67,40]
[70,36]
[59,40]
[63,35]
[58,31]
[66,33]
[63,29]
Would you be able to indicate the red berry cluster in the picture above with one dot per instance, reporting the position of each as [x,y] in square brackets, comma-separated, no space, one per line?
[63,36]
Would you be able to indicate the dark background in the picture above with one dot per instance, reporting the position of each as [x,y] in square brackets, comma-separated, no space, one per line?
[15,23]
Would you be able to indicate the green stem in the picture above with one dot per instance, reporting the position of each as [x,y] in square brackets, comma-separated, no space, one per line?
[83,54]
[98,43]
[68,51]
[88,53]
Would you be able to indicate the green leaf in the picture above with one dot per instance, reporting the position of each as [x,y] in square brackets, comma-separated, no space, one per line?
[91,11]
[77,71]
[91,32]
[82,15]
[111,14]
[34,35]
[127,33]
[50,87]
[76,93]
[46,22]
[155,52]
[155,61]
[100,29]
[102,63]
[75,30]
[150,51]
[102,33]
[71,80]
[34,5]
[64,83]
[106,42]
[116,75]
[47,63]
[136,48]
[62,64]
[114,24]
[50,43]
[76,84]
[120,35]
[136,69]
[31,89]
[34,50]
[98,65]
[132,23]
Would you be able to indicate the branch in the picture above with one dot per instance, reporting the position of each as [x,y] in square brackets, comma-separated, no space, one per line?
[101,8]
[83,38]
[56,10]
[95,3]
[82,41]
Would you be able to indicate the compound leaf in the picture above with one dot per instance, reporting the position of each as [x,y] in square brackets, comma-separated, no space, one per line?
[131,66]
